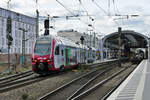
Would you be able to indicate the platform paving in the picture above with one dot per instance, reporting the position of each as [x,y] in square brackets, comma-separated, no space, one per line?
[136,86]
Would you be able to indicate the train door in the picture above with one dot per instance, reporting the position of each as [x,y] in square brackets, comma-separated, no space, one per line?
[86,56]
[73,56]
[76,56]
[80,55]
[66,57]
[57,57]
[62,57]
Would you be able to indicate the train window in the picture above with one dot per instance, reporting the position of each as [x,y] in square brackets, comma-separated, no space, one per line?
[62,52]
[42,47]
[57,50]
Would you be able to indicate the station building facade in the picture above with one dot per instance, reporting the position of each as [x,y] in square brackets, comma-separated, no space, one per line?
[18,21]
[89,40]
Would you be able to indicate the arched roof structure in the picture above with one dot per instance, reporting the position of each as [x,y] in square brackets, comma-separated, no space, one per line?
[129,38]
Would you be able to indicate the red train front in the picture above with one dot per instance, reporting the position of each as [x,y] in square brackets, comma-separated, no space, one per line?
[42,55]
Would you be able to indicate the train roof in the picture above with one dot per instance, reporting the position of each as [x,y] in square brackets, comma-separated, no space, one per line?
[67,42]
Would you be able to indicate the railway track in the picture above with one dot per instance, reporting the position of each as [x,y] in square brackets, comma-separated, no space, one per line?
[23,79]
[15,77]
[115,87]
[84,95]
[71,89]
[14,81]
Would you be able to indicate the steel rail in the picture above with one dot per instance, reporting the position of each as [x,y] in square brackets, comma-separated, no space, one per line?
[113,89]
[15,75]
[97,85]
[6,81]
[19,84]
[68,84]
[82,87]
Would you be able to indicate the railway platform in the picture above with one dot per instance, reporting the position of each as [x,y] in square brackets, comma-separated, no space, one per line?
[136,86]
[100,62]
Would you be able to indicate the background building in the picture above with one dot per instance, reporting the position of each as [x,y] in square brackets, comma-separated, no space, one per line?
[75,36]
[18,21]
[70,34]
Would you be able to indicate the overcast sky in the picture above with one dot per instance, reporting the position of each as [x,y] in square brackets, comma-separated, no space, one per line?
[102,11]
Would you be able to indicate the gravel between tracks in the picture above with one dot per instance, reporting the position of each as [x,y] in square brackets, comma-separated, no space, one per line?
[38,89]
[104,89]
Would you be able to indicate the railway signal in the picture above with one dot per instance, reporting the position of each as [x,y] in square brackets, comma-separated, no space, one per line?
[46,26]
[46,32]
[9,26]
[82,39]
[9,37]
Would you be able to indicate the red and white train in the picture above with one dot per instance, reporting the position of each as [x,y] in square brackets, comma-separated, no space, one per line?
[52,53]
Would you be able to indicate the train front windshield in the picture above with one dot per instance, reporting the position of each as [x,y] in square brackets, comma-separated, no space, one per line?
[42,47]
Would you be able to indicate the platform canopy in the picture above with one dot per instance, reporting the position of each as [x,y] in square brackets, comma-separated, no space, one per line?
[129,38]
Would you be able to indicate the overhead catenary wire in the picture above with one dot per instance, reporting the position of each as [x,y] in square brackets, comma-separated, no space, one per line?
[87,14]
[105,12]
[66,8]
[81,5]
[84,8]
[100,7]
[42,18]
[72,13]
[116,10]
[108,7]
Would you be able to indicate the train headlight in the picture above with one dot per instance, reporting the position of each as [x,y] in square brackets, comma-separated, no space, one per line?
[44,58]
[49,60]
